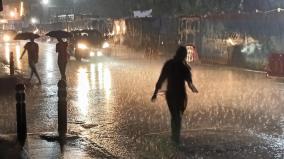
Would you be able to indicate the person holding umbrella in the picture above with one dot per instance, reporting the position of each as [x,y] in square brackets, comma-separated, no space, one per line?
[33,50]
[61,49]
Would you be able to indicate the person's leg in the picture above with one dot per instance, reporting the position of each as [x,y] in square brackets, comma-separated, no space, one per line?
[37,75]
[32,72]
[31,75]
[176,125]
[176,118]
[33,67]
[62,69]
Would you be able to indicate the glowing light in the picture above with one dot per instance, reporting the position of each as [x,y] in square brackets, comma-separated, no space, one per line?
[36,31]
[100,75]
[34,20]
[45,2]
[6,38]
[93,75]
[12,14]
[107,82]
[92,54]
[22,8]
[82,46]
[3,21]
[105,45]
[118,29]
[83,89]
[230,41]
[99,53]
[7,53]
[49,62]
[111,33]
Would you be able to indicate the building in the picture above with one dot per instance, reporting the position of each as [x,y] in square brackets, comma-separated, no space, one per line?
[12,16]
[238,39]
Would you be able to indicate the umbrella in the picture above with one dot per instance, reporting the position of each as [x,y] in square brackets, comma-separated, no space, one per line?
[93,31]
[59,34]
[26,36]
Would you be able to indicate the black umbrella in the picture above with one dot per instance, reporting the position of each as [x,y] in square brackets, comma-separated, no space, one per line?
[59,34]
[92,31]
[26,36]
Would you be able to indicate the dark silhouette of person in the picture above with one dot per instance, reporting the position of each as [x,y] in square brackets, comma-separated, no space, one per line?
[176,71]
[33,50]
[61,49]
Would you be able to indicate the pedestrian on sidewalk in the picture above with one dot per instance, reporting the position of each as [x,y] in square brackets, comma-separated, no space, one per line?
[33,51]
[176,71]
[63,56]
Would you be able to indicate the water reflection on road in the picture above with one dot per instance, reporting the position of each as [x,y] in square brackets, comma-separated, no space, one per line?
[16,49]
[93,88]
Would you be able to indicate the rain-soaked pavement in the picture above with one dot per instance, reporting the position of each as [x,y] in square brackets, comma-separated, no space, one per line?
[237,113]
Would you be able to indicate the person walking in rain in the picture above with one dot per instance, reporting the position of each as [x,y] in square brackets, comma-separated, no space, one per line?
[61,49]
[176,71]
[33,50]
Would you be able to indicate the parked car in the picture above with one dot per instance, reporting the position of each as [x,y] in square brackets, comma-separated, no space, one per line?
[87,44]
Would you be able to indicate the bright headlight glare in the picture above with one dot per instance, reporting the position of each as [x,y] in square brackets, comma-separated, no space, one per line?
[82,46]
[92,54]
[6,38]
[99,53]
[105,45]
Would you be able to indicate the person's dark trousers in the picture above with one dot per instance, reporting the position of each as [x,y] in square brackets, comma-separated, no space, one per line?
[34,71]
[62,69]
[177,105]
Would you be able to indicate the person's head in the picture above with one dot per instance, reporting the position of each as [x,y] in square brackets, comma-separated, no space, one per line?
[59,40]
[181,53]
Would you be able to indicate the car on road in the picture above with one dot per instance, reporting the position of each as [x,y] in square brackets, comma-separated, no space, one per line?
[87,44]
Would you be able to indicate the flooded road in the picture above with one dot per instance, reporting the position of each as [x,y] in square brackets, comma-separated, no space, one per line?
[237,113]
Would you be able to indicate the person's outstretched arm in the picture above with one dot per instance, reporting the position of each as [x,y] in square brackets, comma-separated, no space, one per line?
[23,53]
[189,81]
[56,48]
[162,78]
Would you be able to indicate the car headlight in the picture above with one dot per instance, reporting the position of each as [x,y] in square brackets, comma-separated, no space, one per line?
[105,45]
[6,38]
[82,46]
[99,53]
[92,54]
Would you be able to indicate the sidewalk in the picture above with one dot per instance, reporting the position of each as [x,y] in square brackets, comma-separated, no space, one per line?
[37,148]
[7,82]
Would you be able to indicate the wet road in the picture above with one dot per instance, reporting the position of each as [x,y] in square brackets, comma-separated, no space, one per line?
[237,114]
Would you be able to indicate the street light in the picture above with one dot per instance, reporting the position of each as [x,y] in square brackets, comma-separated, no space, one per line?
[34,20]
[12,14]
[45,2]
